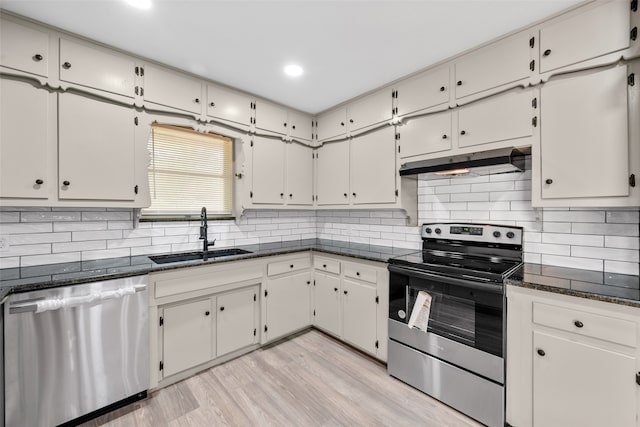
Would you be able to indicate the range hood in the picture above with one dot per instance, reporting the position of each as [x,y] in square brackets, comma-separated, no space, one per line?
[498,161]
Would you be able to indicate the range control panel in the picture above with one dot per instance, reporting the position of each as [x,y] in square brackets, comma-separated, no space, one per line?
[473,232]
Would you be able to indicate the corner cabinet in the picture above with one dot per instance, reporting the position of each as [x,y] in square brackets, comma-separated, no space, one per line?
[571,361]
[589,149]
[332,174]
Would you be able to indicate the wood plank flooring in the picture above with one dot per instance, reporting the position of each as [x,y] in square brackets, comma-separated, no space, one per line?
[308,380]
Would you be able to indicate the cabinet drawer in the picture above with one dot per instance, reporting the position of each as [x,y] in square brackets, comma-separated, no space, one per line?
[280,267]
[360,272]
[326,264]
[587,324]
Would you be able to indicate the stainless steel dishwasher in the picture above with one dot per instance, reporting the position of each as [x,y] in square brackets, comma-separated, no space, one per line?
[74,352]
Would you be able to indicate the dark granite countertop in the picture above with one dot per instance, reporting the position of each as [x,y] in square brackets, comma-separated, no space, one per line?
[609,287]
[52,275]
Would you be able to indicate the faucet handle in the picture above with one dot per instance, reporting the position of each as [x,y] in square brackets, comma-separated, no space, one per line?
[203,232]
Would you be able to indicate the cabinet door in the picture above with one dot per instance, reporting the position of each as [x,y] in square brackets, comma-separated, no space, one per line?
[236,320]
[424,135]
[327,303]
[373,167]
[299,174]
[300,126]
[188,336]
[576,384]
[171,89]
[95,68]
[370,110]
[332,179]
[587,35]
[499,118]
[500,63]
[228,105]
[288,303]
[268,171]
[359,314]
[424,91]
[24,137]
[332,125]
[95,149]
[584,140]
[271,117]
[24,48]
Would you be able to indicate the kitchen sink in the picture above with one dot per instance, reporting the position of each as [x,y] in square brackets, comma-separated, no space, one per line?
[192,256]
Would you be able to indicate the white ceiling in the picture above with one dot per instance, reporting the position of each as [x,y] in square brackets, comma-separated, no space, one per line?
[346,47]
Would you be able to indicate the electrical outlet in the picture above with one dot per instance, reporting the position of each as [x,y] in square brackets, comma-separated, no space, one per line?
[4,244]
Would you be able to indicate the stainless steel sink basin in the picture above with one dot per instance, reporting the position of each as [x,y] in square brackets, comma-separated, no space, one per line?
[192,256]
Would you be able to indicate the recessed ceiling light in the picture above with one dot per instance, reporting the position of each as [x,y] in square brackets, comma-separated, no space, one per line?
[140,4]
[293,70]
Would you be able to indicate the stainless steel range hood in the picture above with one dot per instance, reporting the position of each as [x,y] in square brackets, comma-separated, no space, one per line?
[498,161]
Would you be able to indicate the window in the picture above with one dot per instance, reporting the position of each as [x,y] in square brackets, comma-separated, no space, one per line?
[189,170]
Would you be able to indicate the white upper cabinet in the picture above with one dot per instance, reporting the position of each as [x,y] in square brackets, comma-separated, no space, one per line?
[226,104]
[373,167]
[300,127]
[332,174]
[96,68]
[332,125]
[428,134]
[24,140]
[369,111]
[24,48]
[499,118]
[499,64]
[172,89]
[422,92]
[268,171]
[585,35]
[271,117]
[584,141]
[96,149]
[299,174]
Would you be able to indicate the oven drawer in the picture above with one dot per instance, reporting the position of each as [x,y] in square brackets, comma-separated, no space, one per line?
[360,272]
[326,264]
[288,266]
[588,324]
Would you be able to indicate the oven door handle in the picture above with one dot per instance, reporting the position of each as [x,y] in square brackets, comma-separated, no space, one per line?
[495,288]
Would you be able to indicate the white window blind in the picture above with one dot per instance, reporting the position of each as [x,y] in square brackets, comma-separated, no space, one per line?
[189,170]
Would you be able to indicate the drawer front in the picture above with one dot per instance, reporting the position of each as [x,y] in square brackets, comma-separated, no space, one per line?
[588,324]
[281,267]
[360,272]
[326,264]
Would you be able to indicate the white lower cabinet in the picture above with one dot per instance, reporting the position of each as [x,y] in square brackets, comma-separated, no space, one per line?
[236,320]
[327,299]
[288,304]
[359,308]
[571,361]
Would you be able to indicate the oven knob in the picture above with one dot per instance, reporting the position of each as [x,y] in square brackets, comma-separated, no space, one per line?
[496,234]
[510,234]
[428,230]
[438,231]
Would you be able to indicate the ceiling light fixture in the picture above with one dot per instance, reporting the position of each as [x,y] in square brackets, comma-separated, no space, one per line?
[139,4]
[293,70]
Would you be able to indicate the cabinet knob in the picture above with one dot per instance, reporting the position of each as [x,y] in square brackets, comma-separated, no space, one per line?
[354,194]
[541,352]
[290,195]
[341,123]
[284,124]
[66,183]
[37,57]
[335,289]
[442,88]
[197,100]
[281,194]
[462,132]
[308,282]
[293,127]
[444,136]
[221,308]
[346,292]
[291,266]
[206,313]
[459,83]
[548,181]
[350,120]
[324,265]
[547,52]
[212,104]
[66,65]
[357,273]
[578,324]
[345,194]
[39,181]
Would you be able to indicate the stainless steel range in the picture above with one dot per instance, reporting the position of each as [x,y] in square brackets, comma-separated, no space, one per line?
[447,315]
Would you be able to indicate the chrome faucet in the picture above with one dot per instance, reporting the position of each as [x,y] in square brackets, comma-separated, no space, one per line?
[203,234]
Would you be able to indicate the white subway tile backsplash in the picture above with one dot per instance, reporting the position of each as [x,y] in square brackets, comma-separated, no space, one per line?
[623,217]
[78,236]
[573,239]
[79,246]
[129,243]
[9,217]
[556,227]
[622,242]
[574,216]
[621,267]
[34,238]
[612,254]
[79,226]
[33,260]
[107,253]
[22,250]
[573,262]
[605,229]
[546,248]
[23,228]
[509,195]
[49,216]
[107,216]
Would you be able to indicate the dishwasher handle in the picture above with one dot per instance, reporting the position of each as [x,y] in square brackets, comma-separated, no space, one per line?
[50,304]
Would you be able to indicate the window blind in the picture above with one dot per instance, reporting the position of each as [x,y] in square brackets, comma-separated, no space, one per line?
[189,170]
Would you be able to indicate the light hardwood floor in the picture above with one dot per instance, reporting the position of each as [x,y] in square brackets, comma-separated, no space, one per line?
[308,380]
